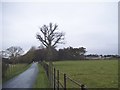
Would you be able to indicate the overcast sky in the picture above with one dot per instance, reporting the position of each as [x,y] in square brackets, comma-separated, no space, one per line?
[93,25]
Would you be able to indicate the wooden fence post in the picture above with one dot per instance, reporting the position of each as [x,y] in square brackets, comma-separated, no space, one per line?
[83,87]
[52,74]
[64,81]
[47,71]
[54,77]
[57,79]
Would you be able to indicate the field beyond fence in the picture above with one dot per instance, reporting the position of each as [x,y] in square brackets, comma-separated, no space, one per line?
[93,74]
[60,79]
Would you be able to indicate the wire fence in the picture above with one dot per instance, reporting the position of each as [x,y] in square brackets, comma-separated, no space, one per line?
[10,70]
[61,80]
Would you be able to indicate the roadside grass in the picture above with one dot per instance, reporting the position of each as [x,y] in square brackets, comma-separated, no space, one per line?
[14,70]
[42,80]
[92,73]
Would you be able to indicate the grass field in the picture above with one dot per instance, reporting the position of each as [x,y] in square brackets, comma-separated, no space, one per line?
[42,80]
[94,73]
[14,70]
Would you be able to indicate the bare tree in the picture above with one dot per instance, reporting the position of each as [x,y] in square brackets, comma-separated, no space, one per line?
[14,51]
[50,37]
[3,54]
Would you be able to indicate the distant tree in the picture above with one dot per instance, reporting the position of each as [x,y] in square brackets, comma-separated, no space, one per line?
[11,53]
[3,54]
[71,53]
[14,51]
[33,48]
[29,57]
[40,54]
[41,47]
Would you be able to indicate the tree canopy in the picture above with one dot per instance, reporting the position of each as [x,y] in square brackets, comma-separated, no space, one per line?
[49,36]
[14,51]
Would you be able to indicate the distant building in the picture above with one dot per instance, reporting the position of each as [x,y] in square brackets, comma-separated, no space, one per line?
[93,57]
[107,57]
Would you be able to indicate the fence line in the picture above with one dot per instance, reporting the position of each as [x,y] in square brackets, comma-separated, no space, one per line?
[10,70]
[57,84]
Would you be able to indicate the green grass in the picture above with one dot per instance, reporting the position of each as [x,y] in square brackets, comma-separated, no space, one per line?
[94,73]
[14,70]
[42,80]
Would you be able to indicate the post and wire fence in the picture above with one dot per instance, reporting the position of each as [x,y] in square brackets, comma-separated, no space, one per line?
[10,70]
[61,80]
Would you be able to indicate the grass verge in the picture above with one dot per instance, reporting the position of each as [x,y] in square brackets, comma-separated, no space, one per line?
[42,80]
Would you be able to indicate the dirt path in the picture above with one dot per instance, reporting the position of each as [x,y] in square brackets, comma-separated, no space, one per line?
[24,80]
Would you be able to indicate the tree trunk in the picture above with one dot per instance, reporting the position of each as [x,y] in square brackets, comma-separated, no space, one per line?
[50,66]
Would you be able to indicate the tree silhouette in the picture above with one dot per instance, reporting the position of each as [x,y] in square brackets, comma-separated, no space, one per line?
[14,51]
[50,37]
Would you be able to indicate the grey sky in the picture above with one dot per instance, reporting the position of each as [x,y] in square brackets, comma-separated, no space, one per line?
[91,25]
